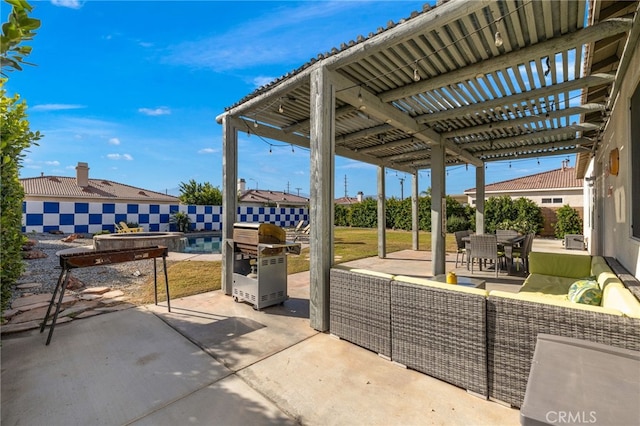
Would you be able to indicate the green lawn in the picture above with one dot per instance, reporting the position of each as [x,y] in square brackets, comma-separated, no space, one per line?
[188,278]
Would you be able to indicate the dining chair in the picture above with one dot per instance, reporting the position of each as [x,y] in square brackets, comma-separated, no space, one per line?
[522,252]
[484,247]
[462,249]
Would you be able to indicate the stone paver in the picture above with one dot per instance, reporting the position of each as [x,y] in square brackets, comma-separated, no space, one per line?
[30,300]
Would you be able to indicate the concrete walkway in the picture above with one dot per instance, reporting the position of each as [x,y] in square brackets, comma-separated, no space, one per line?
[214,361]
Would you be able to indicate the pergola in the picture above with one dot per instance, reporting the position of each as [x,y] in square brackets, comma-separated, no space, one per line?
[465,82]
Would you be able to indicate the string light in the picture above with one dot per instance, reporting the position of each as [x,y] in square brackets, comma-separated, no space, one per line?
[280,109]
[416,74]
[498,39]
[270,149]
[255,124]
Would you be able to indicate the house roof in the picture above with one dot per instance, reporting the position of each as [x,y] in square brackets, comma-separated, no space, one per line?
[98,189]
[442,77]
[347,200]
[267,196]
[563,178]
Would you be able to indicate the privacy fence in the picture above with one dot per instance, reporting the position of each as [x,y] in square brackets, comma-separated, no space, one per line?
[78,217]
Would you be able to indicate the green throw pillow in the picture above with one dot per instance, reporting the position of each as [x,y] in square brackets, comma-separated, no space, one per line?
[585,291]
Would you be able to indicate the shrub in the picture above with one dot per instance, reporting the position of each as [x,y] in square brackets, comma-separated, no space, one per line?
[181,220]
[341,215]
[365,214]
[457,223]
[568,222]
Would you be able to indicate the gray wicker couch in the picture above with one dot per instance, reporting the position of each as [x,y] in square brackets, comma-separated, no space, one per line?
[431,327]
[440,330]
[479,341]
[360,308]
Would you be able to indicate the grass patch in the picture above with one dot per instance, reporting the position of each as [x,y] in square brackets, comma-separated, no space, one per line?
[194,277]
[185,279]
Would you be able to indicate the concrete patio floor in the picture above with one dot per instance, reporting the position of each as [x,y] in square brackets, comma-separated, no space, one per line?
[214,361]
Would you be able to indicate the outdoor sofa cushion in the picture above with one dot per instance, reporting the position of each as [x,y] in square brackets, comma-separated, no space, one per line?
[617,296]
[560,265]
[548,285]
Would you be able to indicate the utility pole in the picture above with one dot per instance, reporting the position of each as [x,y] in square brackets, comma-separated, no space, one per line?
[298,191]
[287,188]
[345,187]
[401,188]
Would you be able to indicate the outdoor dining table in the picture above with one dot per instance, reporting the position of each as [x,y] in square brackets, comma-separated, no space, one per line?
[505,244]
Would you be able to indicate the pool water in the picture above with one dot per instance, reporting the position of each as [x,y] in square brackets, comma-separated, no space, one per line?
[203,244]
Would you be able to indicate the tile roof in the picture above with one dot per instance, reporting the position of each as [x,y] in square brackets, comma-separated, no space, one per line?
[266,196]
[563,178]
[347,200]
[98,189]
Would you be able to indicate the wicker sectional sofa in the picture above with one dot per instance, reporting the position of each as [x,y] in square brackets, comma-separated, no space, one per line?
[515,320]
[477,340]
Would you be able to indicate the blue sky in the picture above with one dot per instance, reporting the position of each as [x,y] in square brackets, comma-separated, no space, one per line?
[133,89]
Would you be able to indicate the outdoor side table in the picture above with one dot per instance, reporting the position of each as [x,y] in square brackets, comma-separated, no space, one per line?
[576,381]
[101,258]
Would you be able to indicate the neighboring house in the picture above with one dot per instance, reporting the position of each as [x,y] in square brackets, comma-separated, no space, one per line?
[82,189]
[84,205]
[268,198]
[346,201]
[550,190]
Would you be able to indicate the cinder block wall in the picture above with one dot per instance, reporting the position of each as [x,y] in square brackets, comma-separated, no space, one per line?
[81,217]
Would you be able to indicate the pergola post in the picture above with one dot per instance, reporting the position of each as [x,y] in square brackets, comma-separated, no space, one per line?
[229,199]
[480,200]
[415,225]
[438,210]
[382,215]
[321,214]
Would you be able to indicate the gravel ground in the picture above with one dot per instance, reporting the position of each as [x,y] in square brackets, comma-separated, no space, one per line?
[127,277]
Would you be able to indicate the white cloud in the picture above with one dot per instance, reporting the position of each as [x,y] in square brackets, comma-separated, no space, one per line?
[56,107]
[207,151]
[268,39]
[114,141]
[262,80]
[71,4]
[126,157]
[52,163]
[155,111]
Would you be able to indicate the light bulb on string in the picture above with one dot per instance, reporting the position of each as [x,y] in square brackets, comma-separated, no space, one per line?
[498,39]
[292,150]
[280,109]
[270,149]
[255,124]
[416,74]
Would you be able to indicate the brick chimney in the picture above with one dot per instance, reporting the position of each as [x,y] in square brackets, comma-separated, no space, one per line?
[82,174]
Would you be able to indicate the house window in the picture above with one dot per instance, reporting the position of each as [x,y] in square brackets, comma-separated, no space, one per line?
[635,161]
[552,201]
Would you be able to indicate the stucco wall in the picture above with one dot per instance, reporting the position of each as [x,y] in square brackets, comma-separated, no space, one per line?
[614,192]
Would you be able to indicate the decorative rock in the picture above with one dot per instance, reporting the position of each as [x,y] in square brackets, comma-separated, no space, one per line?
[26,308]
[28,285]
[80,307]
[89,296]
[16,328]
[30,300]
[113,294]
[29,245]
[73,283]
[87,314]
[9,313]
[95,290]
[71,238]
[34,254]
[32,315]
[60,320]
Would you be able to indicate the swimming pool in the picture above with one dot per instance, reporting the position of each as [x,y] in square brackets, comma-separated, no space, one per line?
[203,244]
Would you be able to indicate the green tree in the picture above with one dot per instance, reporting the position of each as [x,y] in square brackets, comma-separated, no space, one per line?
[16,136]
[569,221]
[18,29]
[200,194]
[365,214]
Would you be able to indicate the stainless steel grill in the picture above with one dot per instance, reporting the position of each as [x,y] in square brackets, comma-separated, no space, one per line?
[260,263]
